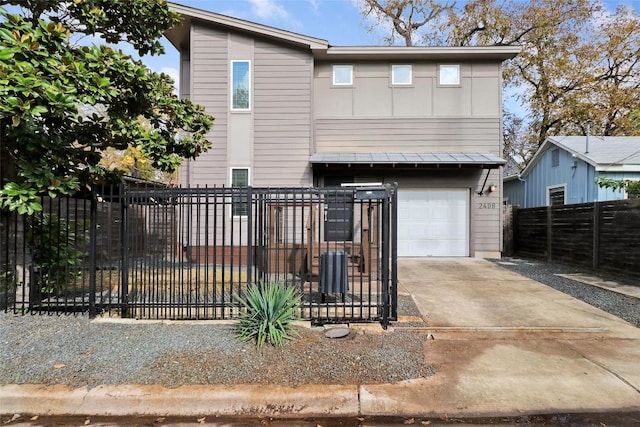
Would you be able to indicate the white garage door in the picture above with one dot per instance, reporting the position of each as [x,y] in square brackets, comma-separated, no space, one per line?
[433,222]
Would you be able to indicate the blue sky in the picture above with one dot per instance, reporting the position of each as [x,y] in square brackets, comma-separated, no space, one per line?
[337,21]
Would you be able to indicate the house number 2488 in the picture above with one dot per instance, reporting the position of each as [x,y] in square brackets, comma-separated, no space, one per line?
[487,205]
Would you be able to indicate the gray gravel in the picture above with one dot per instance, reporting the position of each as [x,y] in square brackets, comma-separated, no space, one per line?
[622,306]
[75,351]
[72,350]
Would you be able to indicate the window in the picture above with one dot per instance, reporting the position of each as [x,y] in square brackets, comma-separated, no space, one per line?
[240,85]
[555,158]
[449,75]
[239,203]
[556,196]
[343,75]
[401,75]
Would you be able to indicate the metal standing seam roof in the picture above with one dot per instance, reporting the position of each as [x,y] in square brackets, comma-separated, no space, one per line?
[445,159]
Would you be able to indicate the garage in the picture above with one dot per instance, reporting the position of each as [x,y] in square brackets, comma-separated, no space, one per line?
[433,222]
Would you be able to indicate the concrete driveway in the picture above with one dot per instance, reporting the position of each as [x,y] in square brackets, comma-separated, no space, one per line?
[475,293]
[505,344]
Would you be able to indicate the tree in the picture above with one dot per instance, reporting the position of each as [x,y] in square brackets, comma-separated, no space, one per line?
[578,62]
[64,104]
[414,21]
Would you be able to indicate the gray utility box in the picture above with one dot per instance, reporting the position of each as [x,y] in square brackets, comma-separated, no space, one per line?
[333,273]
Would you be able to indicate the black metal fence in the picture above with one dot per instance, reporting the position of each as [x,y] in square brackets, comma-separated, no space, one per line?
[155,252]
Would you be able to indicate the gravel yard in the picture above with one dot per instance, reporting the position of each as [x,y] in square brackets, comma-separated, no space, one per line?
[75,351]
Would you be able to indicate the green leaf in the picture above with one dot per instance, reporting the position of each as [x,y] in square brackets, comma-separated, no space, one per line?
[6,54]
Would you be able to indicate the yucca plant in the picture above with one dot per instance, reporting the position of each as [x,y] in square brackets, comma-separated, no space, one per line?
[267,313]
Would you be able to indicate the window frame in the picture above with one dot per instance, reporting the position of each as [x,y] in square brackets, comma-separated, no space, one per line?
[556,189]
[333,75]
[232,84]
[393,75]
[447,84]
[237,200]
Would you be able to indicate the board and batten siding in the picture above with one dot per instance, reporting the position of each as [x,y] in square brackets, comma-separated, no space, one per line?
[282,115]
[373,95]
[208,87]
[372,115]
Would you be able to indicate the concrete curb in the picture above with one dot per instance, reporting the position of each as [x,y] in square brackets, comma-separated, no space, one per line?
[127,400]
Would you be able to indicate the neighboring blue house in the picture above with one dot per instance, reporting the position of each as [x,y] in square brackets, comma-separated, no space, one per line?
[564,169]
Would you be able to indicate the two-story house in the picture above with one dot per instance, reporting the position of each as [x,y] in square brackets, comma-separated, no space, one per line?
[292,110]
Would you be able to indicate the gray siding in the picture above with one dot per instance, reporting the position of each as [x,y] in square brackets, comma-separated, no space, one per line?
[408,134]
[208,87]
[372,94]
[282,115]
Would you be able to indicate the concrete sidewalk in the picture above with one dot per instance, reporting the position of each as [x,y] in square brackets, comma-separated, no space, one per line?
[503,345]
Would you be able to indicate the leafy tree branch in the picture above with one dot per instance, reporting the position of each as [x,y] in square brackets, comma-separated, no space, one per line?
[64,104]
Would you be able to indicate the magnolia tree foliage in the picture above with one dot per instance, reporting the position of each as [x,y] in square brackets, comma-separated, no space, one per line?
[64,104]
[579,61]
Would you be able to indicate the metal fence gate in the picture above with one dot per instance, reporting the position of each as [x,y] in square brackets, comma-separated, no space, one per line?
[156,252]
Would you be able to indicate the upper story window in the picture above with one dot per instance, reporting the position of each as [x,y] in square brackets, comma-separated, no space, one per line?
[343,75]
[555,158]
[401,75]
[239,202]
[241,85]
[449,75]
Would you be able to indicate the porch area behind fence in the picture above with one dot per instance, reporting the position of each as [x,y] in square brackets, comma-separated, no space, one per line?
[153,252]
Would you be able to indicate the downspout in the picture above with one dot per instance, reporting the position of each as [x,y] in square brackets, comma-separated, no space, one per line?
[525,190]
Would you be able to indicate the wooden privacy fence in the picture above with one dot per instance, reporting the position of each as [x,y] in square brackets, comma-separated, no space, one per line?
[600,235]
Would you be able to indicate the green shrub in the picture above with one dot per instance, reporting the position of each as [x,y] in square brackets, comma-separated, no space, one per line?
[267,313]
[55,245]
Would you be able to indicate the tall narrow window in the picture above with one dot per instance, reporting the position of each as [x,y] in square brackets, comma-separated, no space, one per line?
[239,203]
[401,75]
[449,75]
[240,85]
[555,158]
[343,75]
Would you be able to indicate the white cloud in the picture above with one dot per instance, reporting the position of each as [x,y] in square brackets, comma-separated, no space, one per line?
[269,9]
[314,5]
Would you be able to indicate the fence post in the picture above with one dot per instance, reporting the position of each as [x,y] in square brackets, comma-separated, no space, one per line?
[93,237]
[596,235]
[394,252]
[250,245]
[124,232]
[385,258]
[549,232]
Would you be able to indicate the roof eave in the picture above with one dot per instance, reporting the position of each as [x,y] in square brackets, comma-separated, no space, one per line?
[617,168]
[248,27]
[490,53]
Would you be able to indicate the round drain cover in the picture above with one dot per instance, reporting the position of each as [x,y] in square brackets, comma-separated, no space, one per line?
[336,333]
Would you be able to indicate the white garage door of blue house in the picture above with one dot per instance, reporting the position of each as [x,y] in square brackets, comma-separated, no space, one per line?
[433,222]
